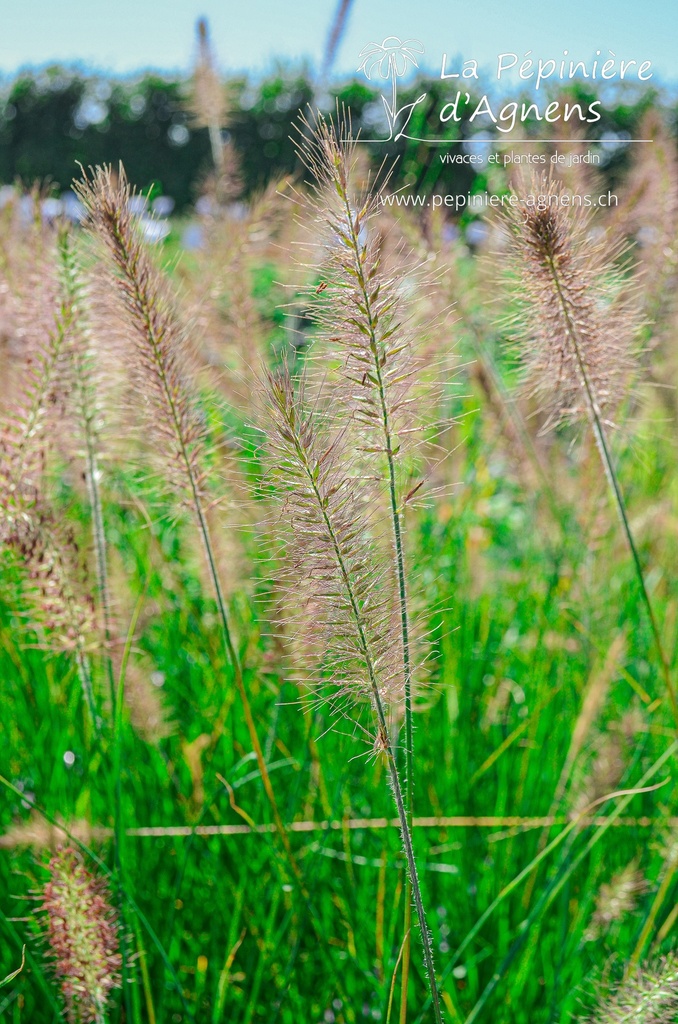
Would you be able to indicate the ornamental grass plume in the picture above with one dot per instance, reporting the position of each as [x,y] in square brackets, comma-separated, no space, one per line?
[208,99]
[209,104]
[364,327]
[142,297]
[648,996]
[648,214]
[232,327]
[61,609]
[615,899]
[60,606]
[349,465]
[329,551]
[331,513]
[42,329]
[82,934]
[142,301]
[577,321]
[55,576]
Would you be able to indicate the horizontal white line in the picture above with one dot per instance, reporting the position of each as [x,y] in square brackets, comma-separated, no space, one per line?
[31,834]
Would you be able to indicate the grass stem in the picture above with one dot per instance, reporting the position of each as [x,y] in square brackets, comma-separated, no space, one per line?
[613,481]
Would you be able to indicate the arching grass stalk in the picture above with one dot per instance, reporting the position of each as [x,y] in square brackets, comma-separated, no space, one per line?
[160,372]
[161,376]
[330,549]
[360,315]
[80,371]
[611,475]
[391,448]
[579,322]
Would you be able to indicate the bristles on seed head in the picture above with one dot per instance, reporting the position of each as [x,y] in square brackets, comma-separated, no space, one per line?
[61,606]
[615,899]
[208,99]
[576,318]
[358,308]
[329,565]
[142,299]
[81,931]
[649,995]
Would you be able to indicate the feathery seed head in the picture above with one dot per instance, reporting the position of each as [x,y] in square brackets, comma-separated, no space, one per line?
[42,324]
[576,318]
[60,602]
[146,306]
[648,996]
[615,900]
[359,309]
[328,547]
[369,360]
[208,99]
[81,930]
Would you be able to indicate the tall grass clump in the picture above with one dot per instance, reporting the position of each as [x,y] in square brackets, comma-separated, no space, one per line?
[340,463]
[49,555]
[83,372]
[160,374]
[474,814]
[578,323]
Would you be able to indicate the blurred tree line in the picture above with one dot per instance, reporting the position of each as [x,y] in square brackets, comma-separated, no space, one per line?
[54,118]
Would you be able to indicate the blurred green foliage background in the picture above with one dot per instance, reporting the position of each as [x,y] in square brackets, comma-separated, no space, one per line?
[54,118]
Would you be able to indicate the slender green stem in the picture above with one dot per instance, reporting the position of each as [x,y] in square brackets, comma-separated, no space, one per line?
[85,677]
[670,869]
[400,574]
[99,534]
[385,743]
[406,947]
[395,509]
[87,414]
[118,824]
[610,473]
[143,308]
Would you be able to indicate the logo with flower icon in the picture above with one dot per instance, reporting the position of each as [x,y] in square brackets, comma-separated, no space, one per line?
[391,59]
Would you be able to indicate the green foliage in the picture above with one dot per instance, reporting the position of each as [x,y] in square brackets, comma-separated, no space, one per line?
[57,119]
[53,119]
[519,627]
[529,600]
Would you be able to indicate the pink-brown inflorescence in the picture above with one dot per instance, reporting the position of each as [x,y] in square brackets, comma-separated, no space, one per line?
[578,319]
[142,299]
[82,934]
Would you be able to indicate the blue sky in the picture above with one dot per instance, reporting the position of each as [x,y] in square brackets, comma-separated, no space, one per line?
[127,35]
